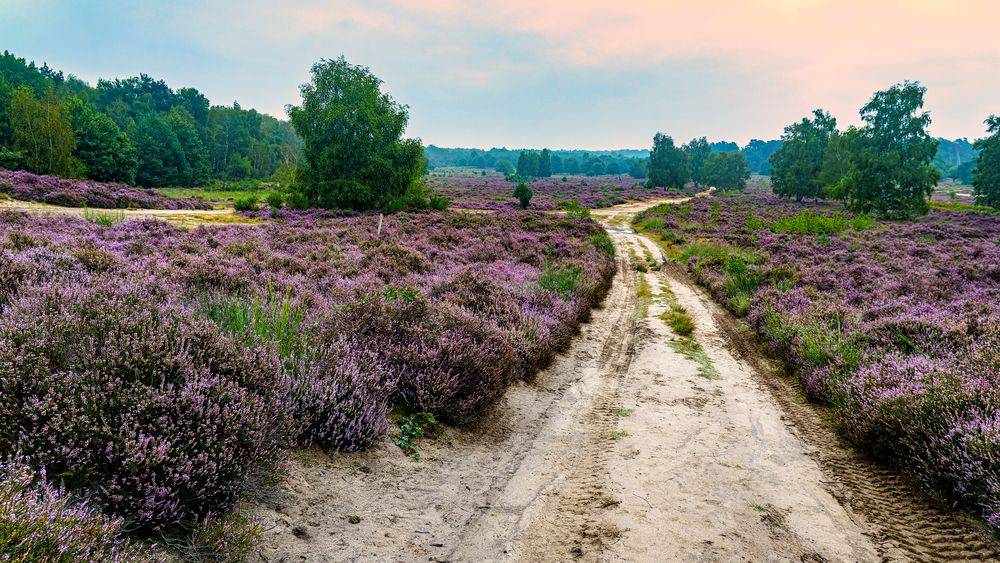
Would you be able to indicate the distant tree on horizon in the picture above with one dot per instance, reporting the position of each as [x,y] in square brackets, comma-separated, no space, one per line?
[697,150]
[544,169]
[796,166]
[726,171]
[668,164]
[986,176]
[637,169]
[758,152]
[504,166]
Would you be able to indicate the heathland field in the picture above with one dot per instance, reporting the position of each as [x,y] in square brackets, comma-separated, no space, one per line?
[229,337]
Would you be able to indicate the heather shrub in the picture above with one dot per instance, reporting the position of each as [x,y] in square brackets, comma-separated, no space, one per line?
[893,324]
[454,366]
[124,395]
[54,190]
[435,358]
[433,313]
[341,394]
[40,523]
[925,409]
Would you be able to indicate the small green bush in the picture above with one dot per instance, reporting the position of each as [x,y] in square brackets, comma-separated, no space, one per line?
[246,203]
[439,202]
[679,320]
[411,429]
[562,279]
[809,222]
[653,224]
[103,219]
[275,200]
[523,194]
[602,241]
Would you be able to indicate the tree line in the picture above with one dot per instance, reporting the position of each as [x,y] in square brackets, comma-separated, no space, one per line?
[545,163]
[698,161]
[134,130]
[885,167]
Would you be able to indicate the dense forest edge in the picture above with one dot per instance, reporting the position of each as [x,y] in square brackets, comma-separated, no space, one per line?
[140,131]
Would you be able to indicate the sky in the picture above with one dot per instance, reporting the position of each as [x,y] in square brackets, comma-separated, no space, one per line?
[588,74]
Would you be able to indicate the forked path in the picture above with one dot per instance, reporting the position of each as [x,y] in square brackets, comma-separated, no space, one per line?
[624,449]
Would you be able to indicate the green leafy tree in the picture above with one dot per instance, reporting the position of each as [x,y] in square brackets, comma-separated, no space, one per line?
[892,174]
[104,151]
[355,156]
[668,165]
[758,152]
[523,194]
[796,166]
[504,166]
[726,170]
[986,177]
[183,124]
[161,157]
[10,159]
[557,164]
[544,169]
[43,133]
[698,151]
[838,162]
[528,164]
[6,94]
[638,168]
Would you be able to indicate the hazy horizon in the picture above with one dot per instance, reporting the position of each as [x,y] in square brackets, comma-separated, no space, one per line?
[561,75]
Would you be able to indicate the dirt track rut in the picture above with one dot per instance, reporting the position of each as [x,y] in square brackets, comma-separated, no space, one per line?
[623,450]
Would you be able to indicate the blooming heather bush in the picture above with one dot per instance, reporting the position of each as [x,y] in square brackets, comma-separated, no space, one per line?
[895,324]
[341,394]
[115,390]
[437,311]
[54,190]
[494,192]
[39,523]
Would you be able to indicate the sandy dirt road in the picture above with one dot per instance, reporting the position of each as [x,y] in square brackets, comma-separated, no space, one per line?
[184,218]
[627,448]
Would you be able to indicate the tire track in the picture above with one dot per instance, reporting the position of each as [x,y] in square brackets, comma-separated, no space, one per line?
[574,527]
[904,523]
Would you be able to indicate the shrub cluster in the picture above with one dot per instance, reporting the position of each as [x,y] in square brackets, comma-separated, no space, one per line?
[159,372]
[495,192]
[39,523]
[895,324]
[128,397]
[54,190]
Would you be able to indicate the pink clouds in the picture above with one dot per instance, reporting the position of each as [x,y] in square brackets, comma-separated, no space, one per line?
[830,53]
[587,73]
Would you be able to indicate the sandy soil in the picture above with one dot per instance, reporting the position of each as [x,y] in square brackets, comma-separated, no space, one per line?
[622,450]
[185,218]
